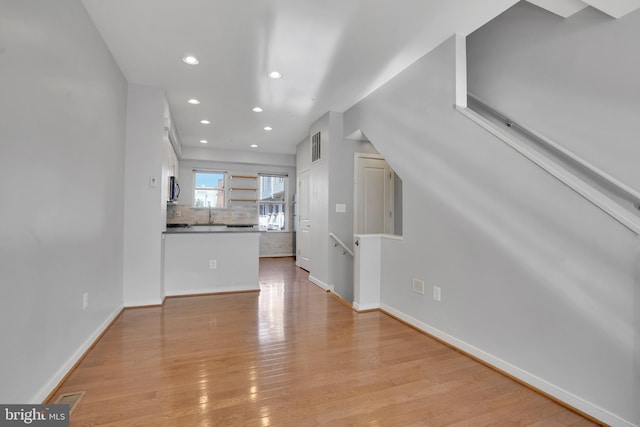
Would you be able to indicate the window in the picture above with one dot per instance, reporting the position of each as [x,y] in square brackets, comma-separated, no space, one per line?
[208,189]
[273,202]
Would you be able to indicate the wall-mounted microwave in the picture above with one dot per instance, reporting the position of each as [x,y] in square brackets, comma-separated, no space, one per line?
[174,189]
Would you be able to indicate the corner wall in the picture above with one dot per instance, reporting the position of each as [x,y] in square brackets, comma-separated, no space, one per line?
[145,208]
[62,132]
[319,203]
[534,278]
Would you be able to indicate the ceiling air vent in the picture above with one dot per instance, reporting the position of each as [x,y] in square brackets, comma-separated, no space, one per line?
[316,151]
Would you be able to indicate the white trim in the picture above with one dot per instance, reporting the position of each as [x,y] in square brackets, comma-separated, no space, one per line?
[524,376]
[207,170]
[218,290]
[278,256]
[297,219]
[384,236]
[358,307]
[319,283]
[341,243]
[369,156]
[70,363]
[596,197]
[143,303]
[461,70]
[630,192]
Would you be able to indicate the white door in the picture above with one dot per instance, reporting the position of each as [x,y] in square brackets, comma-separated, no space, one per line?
[304,220]
[374,192]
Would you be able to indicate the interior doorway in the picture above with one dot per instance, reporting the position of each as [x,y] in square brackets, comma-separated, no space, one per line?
[304,220]
[374,195]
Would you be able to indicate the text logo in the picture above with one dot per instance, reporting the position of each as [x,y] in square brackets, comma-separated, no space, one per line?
[34,415]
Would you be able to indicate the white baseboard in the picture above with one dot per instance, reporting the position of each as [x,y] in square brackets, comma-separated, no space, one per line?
[142,303]
[321,284]
[216,290]
[277,256]
[524,376]
[70,363]
[364,307]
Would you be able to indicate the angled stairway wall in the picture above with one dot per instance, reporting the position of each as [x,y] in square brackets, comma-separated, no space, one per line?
[534,278]
[573,80]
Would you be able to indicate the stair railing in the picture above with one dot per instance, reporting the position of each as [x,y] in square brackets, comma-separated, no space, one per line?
[608,193]
[346,249]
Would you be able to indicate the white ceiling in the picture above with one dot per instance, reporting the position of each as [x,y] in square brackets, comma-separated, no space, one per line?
[332,53]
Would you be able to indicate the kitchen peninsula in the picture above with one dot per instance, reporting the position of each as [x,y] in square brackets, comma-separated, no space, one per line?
[202,257]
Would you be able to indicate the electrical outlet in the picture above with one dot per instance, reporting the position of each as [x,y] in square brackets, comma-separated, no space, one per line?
[85,300]
[418,286]
[213,264]
[437,293]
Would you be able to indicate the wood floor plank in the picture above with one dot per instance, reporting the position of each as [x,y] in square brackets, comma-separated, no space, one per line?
[290,355]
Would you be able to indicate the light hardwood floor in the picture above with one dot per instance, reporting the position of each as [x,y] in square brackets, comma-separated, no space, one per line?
[290,355]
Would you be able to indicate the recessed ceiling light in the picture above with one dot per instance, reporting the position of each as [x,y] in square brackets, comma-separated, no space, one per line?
[191,60]
[275,75]
[193,101]
[204,141]
[257,109]
[268,128]
[254,145]
[205,122]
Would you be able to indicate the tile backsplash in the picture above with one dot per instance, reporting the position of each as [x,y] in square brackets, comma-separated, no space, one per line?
[237,215]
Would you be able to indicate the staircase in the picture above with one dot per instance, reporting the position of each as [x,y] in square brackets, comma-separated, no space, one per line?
[566,8]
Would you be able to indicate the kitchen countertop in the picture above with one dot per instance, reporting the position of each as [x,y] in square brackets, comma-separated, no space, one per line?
[212,229]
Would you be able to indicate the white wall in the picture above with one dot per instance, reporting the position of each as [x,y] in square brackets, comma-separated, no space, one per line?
[188,271]
[573,80]
[62,133]
[534,278]
[303,163]
[341,161]
[145,208]
[319,199]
